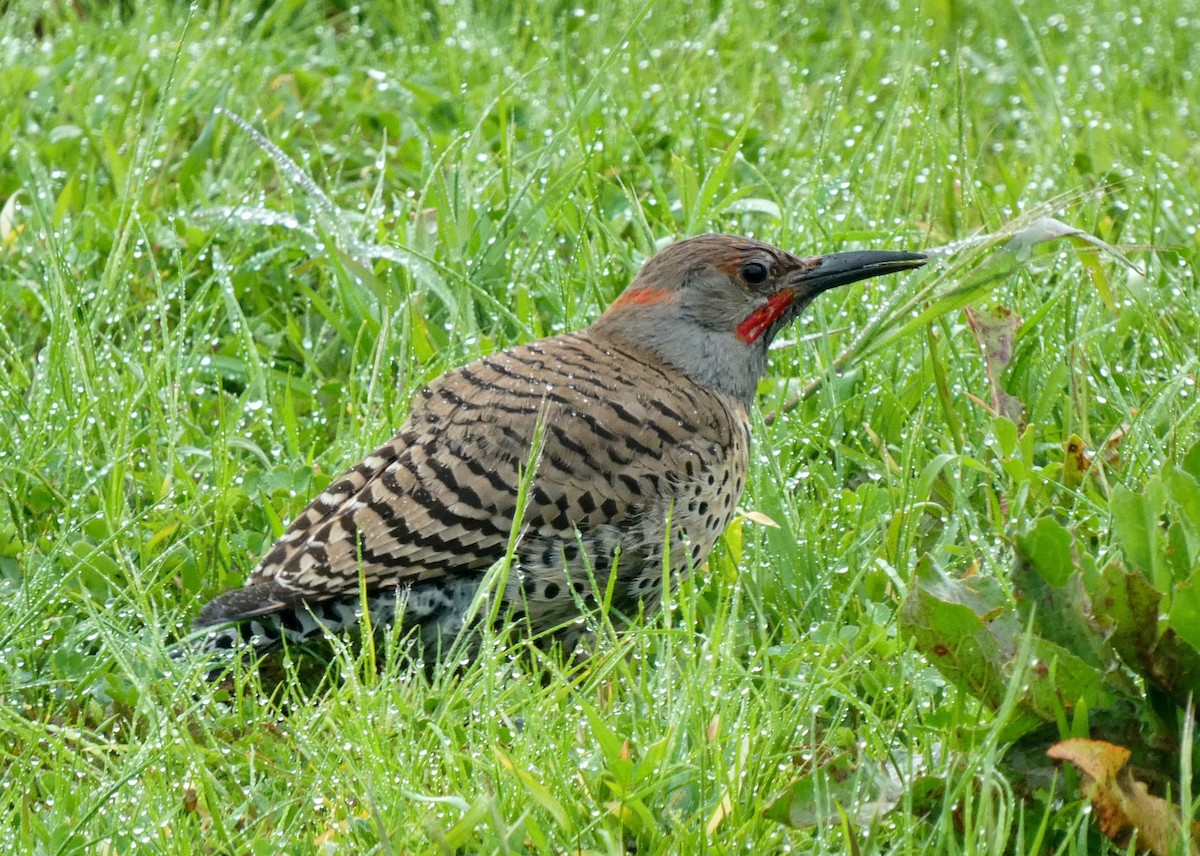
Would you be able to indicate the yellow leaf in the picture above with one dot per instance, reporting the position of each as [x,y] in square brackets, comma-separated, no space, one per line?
[331,833]
[1076,461]
[733,540]
[8,221]
[1120,802]
[722,811]
[759,518]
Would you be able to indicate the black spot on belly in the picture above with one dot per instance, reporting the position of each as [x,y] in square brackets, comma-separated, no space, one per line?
[550,592]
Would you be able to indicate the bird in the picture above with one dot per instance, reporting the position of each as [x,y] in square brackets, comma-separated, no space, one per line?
[611,458]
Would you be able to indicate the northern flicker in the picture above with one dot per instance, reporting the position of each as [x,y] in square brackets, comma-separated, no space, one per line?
[643,457]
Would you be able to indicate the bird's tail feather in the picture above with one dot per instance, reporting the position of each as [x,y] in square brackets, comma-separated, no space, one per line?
[231,627]
[223,640]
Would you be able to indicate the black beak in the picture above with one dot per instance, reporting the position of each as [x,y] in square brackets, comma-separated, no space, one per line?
[836,269]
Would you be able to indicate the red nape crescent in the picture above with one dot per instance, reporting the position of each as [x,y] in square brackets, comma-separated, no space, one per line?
[643,296]
[761,319]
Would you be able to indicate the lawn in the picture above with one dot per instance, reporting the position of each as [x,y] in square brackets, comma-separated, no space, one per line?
[237,237]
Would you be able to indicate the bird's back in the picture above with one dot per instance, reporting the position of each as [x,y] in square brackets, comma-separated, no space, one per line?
[627,443]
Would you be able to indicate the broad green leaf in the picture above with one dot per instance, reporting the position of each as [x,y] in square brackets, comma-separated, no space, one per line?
[1060,613]
[1184,616]
[1135,523]
[1129,606]
[1047,549]
[1183,490]
[1178,550]
[1006,434]
[1191,462]
[810,799]
[970,631]
[1058,679]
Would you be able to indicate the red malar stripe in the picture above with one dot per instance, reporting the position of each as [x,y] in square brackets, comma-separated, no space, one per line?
[760,319]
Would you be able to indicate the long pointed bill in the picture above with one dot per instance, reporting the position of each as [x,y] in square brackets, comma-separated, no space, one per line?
[824,273]
[844,268]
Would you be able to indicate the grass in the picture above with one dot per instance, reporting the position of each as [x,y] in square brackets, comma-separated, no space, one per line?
[192,344]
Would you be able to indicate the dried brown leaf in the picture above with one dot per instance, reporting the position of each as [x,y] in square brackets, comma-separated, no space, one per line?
[1121,803]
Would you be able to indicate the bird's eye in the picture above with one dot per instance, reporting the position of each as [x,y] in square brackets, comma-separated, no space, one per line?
[754,273]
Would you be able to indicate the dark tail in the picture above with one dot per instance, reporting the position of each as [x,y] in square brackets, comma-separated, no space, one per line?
[256,620]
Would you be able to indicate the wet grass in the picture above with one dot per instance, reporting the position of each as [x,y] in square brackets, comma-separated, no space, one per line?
[193,343]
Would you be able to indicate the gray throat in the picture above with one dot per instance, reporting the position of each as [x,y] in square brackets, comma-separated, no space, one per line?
[714,360]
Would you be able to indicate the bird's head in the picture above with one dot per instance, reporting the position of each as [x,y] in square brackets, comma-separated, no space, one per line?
[711,305]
